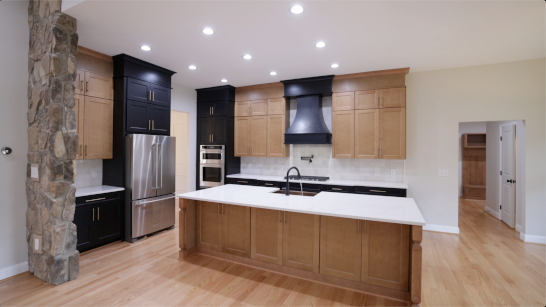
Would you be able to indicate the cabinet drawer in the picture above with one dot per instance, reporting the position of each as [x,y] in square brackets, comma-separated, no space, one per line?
[242,181]
[307,187]
[381,191]
[90,199]
[269,184]
[337,188]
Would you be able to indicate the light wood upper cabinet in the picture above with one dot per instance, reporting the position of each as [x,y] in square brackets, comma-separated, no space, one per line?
[392,98]
[99,86]
[266,235]
[343,132]
[242,108]
[209,225]
[258,136]
[79,112]
[343,101]
[276,106]
[392,133]
[367,100]
[258,107]
[385,254]
[242,136]
[276,127]
[79,83]
[235,230]
[340,247]
[98,128]
[367,134]
[300,247]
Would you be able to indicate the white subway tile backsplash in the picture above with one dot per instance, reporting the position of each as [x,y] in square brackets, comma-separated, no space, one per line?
[88,173]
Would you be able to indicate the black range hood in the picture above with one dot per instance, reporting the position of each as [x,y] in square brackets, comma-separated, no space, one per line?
[308,126]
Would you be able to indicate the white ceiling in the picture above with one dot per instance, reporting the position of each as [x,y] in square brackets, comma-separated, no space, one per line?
[360,36]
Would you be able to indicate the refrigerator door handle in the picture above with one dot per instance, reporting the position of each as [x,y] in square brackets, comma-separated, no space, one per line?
[156,165]
[160,156]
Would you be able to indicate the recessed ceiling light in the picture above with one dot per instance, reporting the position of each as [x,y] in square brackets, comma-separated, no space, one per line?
[247,57]
[224,80]
[334,65]
[192,67]
[145,48]
[208,31]
[320,44]
[273,73]
[296,9]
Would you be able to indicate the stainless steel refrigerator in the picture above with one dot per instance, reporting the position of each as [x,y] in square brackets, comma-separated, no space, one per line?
[150,182]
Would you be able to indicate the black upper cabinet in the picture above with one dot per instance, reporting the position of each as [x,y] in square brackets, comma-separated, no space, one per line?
[138,117]
[138,90]
[218,93]
[210,109]
[205,129]
[161,95]
[219,131]
[161,119]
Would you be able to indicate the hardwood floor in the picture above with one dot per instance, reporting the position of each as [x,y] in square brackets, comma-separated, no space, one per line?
[485,265]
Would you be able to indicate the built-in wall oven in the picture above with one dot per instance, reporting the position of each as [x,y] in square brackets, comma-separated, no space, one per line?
[211,165]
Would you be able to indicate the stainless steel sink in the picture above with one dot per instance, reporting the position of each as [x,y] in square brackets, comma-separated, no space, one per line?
[295,192]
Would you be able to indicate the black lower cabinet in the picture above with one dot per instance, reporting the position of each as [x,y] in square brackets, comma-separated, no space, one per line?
[98,221]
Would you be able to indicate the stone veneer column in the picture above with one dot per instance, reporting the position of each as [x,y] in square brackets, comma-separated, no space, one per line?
[52,143]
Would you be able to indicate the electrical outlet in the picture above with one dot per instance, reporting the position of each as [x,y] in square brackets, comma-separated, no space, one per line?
[393,172]
[443,173]
[93,174]
[36,244]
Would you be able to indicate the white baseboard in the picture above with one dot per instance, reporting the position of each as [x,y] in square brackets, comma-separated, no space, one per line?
[493,213]
[441,228]
[532,239]
[13,270]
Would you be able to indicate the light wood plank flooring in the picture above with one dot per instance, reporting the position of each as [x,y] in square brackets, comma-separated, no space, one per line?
[486,265]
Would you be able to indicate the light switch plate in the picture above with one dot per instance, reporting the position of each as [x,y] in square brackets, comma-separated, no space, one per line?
[443,173]
[34,174]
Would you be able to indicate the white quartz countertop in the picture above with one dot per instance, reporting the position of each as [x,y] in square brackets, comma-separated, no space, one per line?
[388,209]
[377,184]
[101,189]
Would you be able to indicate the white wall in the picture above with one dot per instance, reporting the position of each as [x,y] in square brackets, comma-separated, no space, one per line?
[472,127]
[437,101]
[184,99]
[13,133]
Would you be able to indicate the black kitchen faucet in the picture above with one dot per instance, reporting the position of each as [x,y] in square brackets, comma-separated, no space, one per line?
[288,178]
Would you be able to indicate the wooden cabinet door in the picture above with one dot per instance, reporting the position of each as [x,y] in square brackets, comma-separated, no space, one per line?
[258,107]
[392,133]
[258,136]
[367,99]
[161,95]
[276,106]
[236,230]
[242,136]
[343,101]
[99,86]
[79,82]
[242,108]
[98,123]
[367,134]
[108,226]
[266,235]
[219,130]
[343,132]
[138,90]
[161,119]
[138,117]
[209,225]
[84,219]
[300,241]
[340,247]
[276,127]
[392,98]
[385,254]
[79,111]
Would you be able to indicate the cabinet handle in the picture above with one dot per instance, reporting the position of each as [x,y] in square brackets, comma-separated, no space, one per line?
[149,124]
[242,181]
[90,200]
[85,150]
[223,209]
[378,191]
[213,138]
[149,95]
[86,87]
[153,124]
[268,184]
[336,189]
[378,102]
[218,208]
[213,110]
[285,217]
[81,85]
[80,150]
[153,96]
[210,110]
[93,214]
[98,214]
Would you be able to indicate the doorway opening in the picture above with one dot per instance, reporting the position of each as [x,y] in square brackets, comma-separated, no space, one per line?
[180,128]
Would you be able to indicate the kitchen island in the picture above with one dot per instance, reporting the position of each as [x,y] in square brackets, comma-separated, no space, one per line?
[362,242]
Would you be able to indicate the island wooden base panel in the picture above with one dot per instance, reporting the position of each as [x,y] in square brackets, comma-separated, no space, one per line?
[486,265]
[310,276]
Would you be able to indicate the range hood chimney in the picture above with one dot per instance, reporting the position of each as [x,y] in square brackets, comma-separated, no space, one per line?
[308,126]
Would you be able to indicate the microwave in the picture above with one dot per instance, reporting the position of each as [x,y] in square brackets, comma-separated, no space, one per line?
[211,166]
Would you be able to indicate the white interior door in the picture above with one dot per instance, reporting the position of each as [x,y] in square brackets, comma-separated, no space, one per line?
[508,177]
